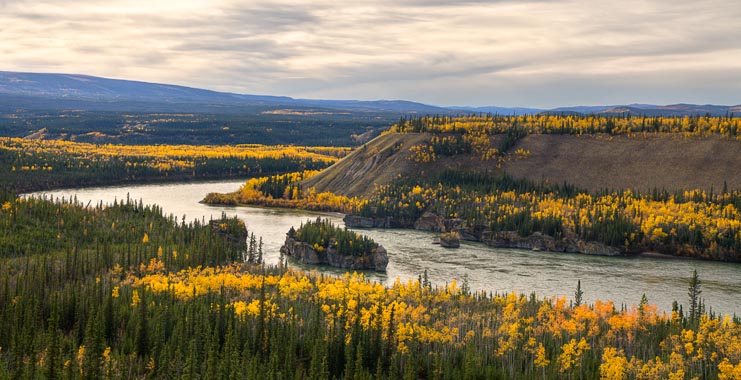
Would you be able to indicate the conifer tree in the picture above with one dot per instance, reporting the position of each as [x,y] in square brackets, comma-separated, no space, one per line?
[694,292]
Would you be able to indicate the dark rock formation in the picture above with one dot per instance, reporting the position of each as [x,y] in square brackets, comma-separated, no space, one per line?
[511,239]
[430,222]
[502,239]
[540,242]
[376,260]
[596,248]
[354,221]
[450,240]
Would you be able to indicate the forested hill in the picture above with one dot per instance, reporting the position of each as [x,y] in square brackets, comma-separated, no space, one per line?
[642,154]
[630,184]
[49,91]
[84,92]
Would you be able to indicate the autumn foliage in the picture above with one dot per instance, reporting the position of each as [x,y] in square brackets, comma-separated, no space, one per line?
[478,126]
[692,223]
[41,164]
[122,292]
[689,223]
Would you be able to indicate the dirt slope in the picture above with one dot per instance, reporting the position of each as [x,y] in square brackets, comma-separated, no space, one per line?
[383,160]
[590,162]
[639,163]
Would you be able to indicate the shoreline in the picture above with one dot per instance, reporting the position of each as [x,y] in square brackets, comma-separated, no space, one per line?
[664,256]
[533,243]
[23,190]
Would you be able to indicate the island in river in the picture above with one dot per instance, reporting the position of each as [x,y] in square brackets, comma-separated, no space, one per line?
[321,242]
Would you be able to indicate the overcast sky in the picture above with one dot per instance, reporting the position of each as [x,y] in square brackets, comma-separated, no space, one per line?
[507,53]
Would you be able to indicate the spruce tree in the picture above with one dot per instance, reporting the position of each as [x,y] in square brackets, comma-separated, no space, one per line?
[579,294]
[694,292]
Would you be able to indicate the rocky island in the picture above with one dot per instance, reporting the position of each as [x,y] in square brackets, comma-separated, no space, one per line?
[320,242]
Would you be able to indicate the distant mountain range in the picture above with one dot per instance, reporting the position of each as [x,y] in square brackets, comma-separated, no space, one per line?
[72,91]
[635,109]
[39,91]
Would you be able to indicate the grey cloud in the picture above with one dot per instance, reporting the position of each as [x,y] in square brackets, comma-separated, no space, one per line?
[438,51]
[269,18]
[34,16]
[419,72]
[453,3]
[237,44]
[237,30]
[154,59]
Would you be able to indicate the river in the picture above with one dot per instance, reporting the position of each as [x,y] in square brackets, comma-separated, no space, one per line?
[496,270]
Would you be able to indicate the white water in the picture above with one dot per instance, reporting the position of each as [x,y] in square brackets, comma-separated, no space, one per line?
[622,280]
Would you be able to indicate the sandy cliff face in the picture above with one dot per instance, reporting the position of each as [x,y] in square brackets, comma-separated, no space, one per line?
[592,162]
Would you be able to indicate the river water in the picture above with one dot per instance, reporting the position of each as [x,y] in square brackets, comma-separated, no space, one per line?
[496,270]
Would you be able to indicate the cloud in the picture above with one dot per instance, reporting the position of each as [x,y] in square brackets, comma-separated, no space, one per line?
[531,53]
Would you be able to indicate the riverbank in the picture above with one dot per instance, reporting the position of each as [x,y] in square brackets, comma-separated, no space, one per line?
[28,165]
[497,239]
[83,183]
[486,268]
[664,256]
[432,223]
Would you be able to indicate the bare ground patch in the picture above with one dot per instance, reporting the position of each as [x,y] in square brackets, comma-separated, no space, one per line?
[671,162]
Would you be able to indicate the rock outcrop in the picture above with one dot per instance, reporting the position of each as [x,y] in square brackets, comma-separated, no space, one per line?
[430,222]
[596,248]
[376,260]
[355,221]
[450,240]
[540,242]
[501,239]
[511,239]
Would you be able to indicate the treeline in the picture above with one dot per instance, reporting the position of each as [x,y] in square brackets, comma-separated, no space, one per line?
[28,165]
[121,292]
[627,124]
[476,142]
[323,234]
[490,137]
[194,126]
[283,190]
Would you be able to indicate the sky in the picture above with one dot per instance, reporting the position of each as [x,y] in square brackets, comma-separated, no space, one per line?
[507,53]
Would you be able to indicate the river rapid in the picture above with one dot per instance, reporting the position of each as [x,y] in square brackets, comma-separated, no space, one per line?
[497,270]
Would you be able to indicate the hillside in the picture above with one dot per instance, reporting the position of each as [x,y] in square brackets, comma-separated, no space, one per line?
[385,159]
[638,163]
[52,91]
[537,182]
[681,109]
[84,92]
[589,162]
[378,162]
[85,87]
